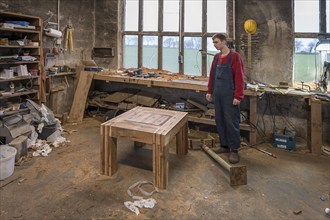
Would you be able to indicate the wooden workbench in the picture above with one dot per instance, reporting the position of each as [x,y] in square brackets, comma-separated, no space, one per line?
[156,127]
[314,120]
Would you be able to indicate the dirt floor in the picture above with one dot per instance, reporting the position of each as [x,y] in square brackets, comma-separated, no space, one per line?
[67,184]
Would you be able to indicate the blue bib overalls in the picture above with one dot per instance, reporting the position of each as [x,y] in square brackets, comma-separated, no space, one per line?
[226,114]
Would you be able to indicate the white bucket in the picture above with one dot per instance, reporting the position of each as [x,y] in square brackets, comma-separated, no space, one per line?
[7,161]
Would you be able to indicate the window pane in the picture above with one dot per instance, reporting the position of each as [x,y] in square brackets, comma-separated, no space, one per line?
[210,49]
[150,51]
[306,61]
[150,15]
[193,16]
[130,51]
[306,15]
[170,54]
[216,16]
[192,56]
[131,15]
[171,15]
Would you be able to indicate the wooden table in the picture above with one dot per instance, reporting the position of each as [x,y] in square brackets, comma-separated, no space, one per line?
[156,127]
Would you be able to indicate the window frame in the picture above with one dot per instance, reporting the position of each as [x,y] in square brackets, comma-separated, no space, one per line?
[160,33]
[317,35]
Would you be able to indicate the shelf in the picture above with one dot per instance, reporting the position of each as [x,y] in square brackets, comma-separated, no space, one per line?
[17,94]
[61,74]
[14,112]
[20,30]
[243,126]
[17,46]
[18,79]
[19,62]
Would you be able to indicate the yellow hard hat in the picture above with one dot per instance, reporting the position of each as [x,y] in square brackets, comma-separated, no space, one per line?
[250,26]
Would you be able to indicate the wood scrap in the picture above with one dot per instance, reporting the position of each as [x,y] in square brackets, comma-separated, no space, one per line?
[195,103]
[80,97]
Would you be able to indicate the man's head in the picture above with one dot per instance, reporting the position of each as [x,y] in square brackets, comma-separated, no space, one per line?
[219,41]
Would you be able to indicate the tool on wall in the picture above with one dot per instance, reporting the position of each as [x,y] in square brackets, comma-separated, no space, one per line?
[250,27]
[68,39]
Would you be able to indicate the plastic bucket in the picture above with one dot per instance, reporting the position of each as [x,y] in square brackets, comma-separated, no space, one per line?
[7,161]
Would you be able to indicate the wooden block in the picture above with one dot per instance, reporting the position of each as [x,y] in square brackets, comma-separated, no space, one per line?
[237,175]
[20,143]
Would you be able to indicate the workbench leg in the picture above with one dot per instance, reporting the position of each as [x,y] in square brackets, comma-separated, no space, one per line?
[112,155]
[160,162]
[253,119]
[182,140]
[316,126]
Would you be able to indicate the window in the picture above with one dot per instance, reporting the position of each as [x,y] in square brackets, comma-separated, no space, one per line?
[150,51]
[170,34]
[310,28]
[210,50]
[193,16]
[130,51]
[170,53]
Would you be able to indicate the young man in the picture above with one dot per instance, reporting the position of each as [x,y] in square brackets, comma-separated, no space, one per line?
[226,89]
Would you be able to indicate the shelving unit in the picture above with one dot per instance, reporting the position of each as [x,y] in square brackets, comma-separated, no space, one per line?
[20,41]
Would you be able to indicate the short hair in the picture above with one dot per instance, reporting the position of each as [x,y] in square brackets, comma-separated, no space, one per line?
[221,37]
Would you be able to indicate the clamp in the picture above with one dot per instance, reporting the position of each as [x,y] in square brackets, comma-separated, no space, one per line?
[68,39]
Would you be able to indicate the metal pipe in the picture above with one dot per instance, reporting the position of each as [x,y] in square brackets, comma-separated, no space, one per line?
[234,27]
[58,15]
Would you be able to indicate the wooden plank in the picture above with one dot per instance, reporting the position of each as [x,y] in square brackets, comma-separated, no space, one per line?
[197,104]
[209,121]
[144,98]
[316,126]
[117,97]
[80,97]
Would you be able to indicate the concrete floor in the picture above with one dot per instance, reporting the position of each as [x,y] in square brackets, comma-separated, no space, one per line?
[67,184]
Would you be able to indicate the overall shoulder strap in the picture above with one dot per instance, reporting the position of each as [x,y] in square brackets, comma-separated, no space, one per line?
[215,67]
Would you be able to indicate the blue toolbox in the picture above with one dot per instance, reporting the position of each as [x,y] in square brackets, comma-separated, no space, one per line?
[285,139]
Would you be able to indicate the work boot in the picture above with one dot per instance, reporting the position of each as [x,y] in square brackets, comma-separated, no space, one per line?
[220,150]
[233,157]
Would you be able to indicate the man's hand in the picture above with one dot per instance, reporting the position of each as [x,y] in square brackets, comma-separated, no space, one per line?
[236,101]
[209,97]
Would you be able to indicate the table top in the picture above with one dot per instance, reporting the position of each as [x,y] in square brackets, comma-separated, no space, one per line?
[141,123]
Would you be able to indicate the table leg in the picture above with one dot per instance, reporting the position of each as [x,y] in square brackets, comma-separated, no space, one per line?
[102,148]
[182,140]
[160,162]
[112,155]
